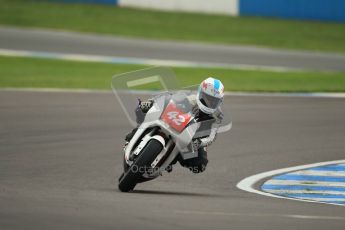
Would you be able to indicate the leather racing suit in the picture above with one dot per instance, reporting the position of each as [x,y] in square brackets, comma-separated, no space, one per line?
[199,163]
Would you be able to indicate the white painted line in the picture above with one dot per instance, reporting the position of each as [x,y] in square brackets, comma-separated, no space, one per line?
[306,183]
[317,217]
[269,215]
[55,90]
[281,191]
[328,200]
[140,61]
[248,183]
[314,95]
[319,173]
[148,92]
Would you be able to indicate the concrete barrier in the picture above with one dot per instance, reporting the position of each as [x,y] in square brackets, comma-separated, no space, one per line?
[321,10]
[227,7]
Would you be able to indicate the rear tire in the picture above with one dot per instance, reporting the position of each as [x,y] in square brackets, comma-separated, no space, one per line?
[132,176]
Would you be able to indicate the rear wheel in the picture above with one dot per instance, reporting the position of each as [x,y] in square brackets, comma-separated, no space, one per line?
[133,175]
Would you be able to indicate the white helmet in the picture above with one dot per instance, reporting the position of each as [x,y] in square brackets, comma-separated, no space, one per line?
[210,95]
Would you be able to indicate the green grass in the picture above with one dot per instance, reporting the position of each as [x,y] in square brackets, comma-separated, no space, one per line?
[36,73]
[112,20]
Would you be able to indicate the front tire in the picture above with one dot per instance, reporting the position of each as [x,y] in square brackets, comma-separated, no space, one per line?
[132,176]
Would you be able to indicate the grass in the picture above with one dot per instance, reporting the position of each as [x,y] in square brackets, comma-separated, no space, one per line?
[316,36]
[38,73]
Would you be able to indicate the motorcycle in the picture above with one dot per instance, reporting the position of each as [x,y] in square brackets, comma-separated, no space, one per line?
[167,130]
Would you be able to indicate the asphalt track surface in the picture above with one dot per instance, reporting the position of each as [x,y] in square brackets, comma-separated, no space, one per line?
[87,44]
[60,157]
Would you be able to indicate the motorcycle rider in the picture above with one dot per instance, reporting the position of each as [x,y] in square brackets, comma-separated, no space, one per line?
[206,106]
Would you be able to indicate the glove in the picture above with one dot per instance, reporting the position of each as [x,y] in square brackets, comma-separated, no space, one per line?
[146,105]
[196,144]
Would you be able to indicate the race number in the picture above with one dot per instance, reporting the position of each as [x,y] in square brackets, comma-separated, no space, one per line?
[175,117]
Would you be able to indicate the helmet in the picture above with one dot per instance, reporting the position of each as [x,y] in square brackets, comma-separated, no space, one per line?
[210,95]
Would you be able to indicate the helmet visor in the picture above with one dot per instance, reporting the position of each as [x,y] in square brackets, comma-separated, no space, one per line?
[209,101]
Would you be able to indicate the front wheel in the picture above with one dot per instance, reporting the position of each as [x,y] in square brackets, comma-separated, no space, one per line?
[132,176]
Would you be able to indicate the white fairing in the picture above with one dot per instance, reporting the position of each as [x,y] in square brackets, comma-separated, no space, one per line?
[181,140]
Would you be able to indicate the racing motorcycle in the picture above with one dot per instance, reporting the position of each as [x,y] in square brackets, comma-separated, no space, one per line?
[168,129]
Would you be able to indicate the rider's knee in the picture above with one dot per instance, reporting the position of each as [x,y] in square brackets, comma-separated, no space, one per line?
[198,164]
